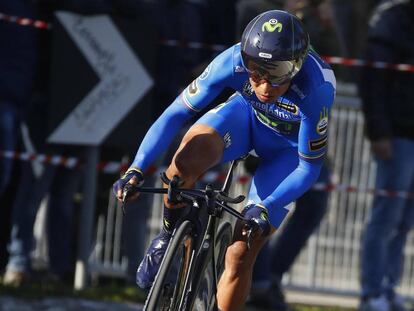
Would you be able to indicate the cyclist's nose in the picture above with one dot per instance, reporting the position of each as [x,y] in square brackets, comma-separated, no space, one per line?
[265,87]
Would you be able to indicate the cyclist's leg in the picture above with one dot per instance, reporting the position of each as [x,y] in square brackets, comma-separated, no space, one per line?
[235,282]
[211,140]
[221,135]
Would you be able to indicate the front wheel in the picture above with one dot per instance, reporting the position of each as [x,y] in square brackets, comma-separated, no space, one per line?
[205,298]
[169,283]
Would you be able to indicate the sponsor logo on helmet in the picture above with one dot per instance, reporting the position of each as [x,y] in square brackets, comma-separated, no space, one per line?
[265,55]
[322,126]
[205,73]
[272,25]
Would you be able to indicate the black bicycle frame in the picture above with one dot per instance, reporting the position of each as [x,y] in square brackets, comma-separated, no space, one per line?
[210,202]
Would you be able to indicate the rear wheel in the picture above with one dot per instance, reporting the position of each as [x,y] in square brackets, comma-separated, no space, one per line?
[169,283]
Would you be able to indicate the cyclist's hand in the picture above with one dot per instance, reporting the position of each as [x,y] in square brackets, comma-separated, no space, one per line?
[132,179]
[257,220]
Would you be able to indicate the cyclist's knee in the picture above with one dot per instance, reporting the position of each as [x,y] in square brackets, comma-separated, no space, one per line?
[238,258]
[200,149]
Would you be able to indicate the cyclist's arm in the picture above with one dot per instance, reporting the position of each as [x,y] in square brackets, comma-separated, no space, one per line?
[312,148]
[191,101]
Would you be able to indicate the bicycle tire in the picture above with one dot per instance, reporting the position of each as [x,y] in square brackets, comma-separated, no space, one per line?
[204,297]
[169,283]
[223,239]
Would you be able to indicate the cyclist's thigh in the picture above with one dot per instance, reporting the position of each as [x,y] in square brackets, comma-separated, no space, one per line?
[270,173]
[232,121]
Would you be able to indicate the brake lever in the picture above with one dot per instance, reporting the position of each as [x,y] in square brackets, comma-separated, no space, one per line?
[249,236]
[129,190]
[225,198]
[249,233]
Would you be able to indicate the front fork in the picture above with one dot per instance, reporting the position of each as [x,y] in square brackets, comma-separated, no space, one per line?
[199,264]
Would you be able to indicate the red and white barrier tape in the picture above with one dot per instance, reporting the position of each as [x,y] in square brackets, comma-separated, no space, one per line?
[23,21]
[333,60]
[351,189]
[67,162]
[209,177]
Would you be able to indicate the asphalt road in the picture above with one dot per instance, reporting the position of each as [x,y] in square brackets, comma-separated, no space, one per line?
[8,303]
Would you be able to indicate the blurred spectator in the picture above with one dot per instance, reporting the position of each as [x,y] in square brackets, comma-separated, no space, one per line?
[318,18]
[36,182]
[17,62]
[60,184]
[350,18]
[180,20]
[388,104]
[350,23]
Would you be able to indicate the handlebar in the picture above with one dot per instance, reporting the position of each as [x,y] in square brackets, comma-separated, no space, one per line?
[211,196]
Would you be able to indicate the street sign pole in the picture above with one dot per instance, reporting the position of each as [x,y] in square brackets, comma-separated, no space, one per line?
[86,216]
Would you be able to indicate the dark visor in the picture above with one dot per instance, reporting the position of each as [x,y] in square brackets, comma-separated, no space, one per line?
[276,72]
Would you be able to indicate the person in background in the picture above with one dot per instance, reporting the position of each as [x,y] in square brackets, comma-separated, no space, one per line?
[350,17]
[17,67]
[388,105]
[37,181]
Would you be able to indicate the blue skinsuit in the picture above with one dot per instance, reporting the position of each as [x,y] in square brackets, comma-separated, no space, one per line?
[290,136]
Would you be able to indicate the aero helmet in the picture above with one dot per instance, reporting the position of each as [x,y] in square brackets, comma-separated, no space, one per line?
[274,45]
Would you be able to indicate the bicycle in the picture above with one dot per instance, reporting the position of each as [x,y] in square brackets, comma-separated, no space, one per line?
[194,259]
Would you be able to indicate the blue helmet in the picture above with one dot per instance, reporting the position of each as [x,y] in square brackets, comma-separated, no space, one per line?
[274,45]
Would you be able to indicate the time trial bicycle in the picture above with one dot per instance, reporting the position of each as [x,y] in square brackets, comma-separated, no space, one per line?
[194,259]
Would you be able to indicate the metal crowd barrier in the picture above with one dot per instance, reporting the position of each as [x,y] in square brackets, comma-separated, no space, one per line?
[330,261]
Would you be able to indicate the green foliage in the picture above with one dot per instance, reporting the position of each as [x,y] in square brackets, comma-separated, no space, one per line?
[318,308]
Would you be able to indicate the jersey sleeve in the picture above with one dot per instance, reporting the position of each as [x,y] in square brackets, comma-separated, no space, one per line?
[192,100]
[210,83]
[291,188]
[313,132]
[313,135]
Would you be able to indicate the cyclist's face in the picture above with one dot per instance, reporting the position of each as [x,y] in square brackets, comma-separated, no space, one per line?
[264,91]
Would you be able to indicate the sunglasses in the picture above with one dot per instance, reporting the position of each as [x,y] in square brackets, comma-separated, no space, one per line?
[276,73]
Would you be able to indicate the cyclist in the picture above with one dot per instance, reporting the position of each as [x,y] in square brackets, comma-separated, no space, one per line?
[280,109]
